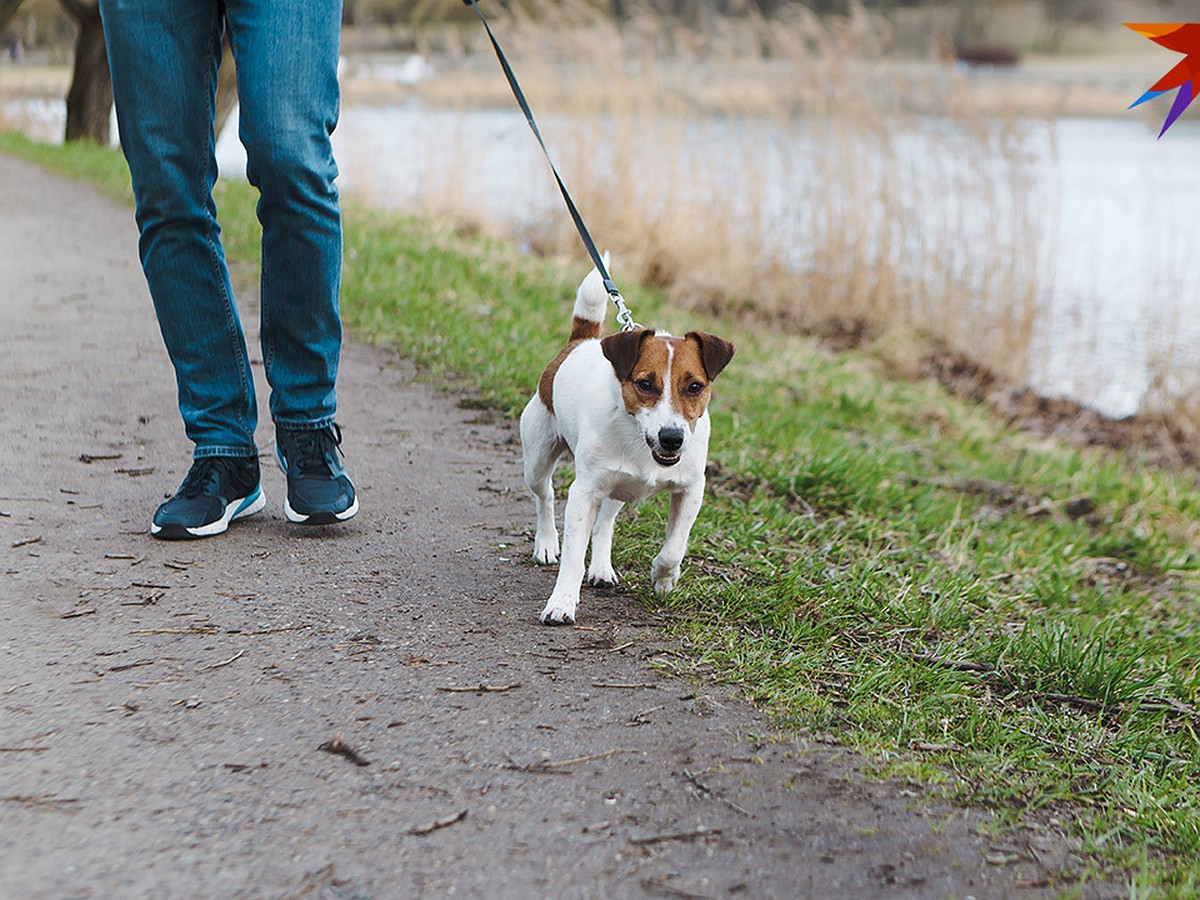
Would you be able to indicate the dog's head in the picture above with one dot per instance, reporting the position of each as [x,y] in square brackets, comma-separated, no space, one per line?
[665,383]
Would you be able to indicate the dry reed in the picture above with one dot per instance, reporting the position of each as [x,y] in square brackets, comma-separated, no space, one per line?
[795,170]
[784,168]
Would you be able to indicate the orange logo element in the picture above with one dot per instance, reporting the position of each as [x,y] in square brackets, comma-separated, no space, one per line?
[1182,38]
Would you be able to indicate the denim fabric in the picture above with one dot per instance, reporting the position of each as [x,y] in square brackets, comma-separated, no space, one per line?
[164,56]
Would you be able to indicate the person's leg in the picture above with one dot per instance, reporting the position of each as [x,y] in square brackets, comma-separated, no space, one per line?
[163,55]
[287,58]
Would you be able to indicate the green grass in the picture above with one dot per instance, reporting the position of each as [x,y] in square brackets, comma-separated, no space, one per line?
[1009,619]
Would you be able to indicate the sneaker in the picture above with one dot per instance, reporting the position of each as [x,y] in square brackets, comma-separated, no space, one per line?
[319,491]
[217,490]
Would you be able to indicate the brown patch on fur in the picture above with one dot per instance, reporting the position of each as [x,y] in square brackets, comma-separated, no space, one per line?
[583,330]
[689,378]
[715,352]
[546,382]
[648,368]
[622,349]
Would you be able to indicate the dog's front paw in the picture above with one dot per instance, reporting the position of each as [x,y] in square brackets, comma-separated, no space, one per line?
[559,611]
[545,550]
[664,577]
[602,576]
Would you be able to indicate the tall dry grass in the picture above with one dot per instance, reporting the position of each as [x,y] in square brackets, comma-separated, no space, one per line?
[796,170]
[787,169]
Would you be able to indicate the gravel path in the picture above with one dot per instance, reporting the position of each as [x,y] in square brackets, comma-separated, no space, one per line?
[164,707]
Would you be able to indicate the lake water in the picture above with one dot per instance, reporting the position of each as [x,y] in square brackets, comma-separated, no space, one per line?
[1114,206]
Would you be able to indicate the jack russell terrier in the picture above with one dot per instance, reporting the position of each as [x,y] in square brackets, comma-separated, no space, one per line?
[632,409]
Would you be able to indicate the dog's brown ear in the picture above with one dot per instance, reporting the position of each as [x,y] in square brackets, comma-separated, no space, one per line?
[622,350]
[715,353]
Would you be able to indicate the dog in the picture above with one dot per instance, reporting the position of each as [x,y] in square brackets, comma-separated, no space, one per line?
[632,408]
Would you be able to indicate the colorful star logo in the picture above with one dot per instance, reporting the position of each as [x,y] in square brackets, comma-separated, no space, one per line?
[1182,38]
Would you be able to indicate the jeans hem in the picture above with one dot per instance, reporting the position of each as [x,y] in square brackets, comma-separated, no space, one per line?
[217,450]
[309,425]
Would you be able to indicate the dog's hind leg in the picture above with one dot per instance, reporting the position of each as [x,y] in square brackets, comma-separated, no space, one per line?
[600,570]
[542,446]
[685,506]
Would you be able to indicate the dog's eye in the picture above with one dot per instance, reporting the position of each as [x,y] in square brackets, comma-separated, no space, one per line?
[646,386]
[695,388]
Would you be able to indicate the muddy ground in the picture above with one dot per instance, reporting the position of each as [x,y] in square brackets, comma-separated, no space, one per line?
[167,710]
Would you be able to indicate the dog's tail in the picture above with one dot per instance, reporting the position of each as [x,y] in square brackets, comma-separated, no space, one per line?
[591,302]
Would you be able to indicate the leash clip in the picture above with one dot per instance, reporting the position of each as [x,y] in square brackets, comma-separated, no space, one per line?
[624,316]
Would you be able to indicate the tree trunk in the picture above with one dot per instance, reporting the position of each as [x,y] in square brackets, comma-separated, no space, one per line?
[8,9]
[90,97]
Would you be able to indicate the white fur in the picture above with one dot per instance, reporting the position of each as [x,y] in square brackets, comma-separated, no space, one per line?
[613,466]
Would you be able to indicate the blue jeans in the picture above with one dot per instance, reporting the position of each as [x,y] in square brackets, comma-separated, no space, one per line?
[164,56]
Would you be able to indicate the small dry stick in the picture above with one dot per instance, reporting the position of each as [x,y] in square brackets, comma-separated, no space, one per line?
[443,822]
[225,663]
[674,836]
[265,631]
[39,800]
[338,747]
[195,629]
[27,542]
[125,667]
[481,688]
[592,756]
[552,767]
[94,457]
[622,685]
[705,789]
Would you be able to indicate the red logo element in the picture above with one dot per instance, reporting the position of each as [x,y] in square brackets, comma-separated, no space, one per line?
[1182,38]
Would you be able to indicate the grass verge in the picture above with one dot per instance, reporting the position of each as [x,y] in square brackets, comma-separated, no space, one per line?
[1008,618]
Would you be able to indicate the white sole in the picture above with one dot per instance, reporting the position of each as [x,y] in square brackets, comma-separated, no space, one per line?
[247,506]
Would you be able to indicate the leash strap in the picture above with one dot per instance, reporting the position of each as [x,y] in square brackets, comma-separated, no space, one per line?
[624,316]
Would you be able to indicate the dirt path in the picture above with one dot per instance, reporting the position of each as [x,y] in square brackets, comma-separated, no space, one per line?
[162,705]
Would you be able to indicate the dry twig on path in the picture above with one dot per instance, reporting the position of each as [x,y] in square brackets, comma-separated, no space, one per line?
[631,686]
[444,822]
[41,800]
[558,767]
[96,457]
[225,663]
[673,836]
[338,747]
[480,688]
[708,791]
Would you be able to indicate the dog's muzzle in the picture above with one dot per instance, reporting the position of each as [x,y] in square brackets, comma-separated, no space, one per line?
[666,451]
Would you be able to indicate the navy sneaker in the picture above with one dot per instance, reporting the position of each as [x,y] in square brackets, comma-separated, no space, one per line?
[217,490]
[319,491]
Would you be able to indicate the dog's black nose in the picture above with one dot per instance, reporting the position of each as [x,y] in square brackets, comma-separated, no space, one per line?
[670,439]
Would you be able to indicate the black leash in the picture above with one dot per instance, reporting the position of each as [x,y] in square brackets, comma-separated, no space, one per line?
[624,316]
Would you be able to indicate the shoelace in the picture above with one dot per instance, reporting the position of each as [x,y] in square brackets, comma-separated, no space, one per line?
[313,449]
[201,475]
